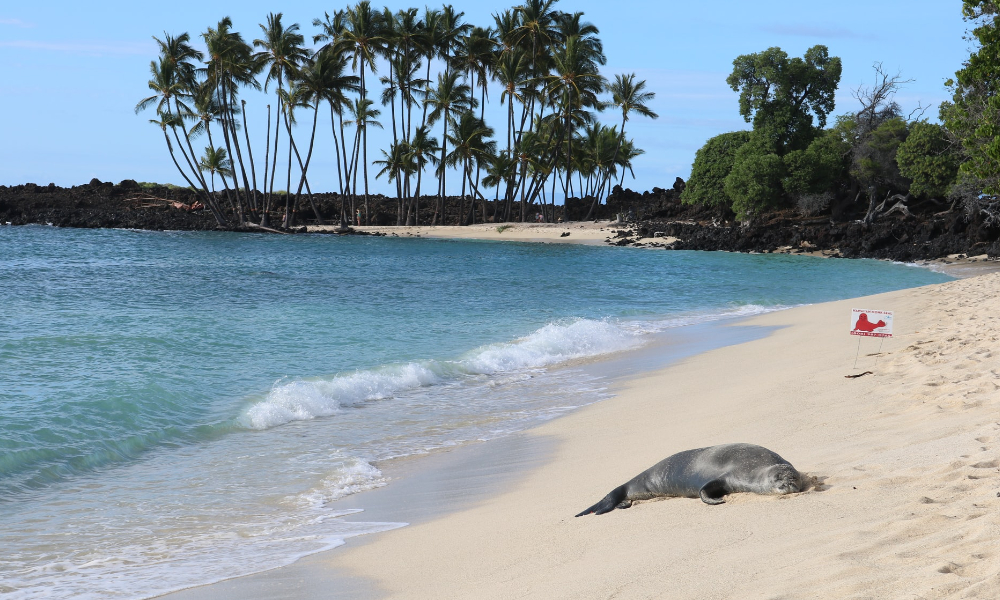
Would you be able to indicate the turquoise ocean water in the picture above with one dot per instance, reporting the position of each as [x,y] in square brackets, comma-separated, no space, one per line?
[179,408]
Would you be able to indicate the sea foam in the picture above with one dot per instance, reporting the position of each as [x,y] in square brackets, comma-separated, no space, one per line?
[550,345]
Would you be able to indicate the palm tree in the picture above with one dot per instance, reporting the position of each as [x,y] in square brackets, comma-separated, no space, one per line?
[408,31]
[320,79]
[178,53]
[168,88]
[629,96]
[575,82]
[449,96]
[332,33]
[231,65]
[502,169]
[452,29]
[363,115]
[363,38]
[428,41]
[216,162]
[394,165]
[171,121]
[282,52]
[324,79]
[469,135]
[512,72]
[420,151]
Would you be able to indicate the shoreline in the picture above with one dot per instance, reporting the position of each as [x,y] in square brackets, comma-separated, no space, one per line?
[603,233]
[425,487]
[906,461]
[662,221]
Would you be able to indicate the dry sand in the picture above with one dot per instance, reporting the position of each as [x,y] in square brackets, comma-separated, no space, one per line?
[906,462]
[591,233]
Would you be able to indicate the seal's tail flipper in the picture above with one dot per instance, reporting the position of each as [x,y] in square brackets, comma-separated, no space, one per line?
[609,503]
[713,491]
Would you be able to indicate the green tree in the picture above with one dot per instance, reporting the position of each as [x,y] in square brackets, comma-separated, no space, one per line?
[629,96]
[216,162]
[282,52]
[420,151]
[712,164]
[449,96]
[782,96]
[974,115]
[754,183]
[470,139]
[874,164]
[363,115]
[817,169]
[928,159]
[231,65]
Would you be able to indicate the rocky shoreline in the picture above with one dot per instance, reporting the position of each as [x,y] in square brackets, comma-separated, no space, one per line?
[928,233]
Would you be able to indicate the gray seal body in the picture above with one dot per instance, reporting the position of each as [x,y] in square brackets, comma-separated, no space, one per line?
[707,473]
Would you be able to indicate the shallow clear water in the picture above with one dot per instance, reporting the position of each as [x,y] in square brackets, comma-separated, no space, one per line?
[178,408]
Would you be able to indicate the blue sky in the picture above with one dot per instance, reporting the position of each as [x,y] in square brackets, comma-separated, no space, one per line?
[72,73]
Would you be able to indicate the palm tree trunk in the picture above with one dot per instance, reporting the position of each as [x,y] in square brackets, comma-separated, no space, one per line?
[277,133]
[444,152]
[287,220]
[305,167]
[253,169]
[229,150]
[265,218]
[219,218]
[336,147]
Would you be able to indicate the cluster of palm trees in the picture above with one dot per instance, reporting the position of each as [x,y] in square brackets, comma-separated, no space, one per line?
[545,62]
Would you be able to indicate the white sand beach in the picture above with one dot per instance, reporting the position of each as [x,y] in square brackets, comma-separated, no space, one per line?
[905,464]
[572,233]
[905,460]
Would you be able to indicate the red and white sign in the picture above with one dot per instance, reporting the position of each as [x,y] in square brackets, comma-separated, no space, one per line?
[871,323]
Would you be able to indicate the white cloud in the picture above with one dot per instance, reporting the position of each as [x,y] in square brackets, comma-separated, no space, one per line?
[16,23]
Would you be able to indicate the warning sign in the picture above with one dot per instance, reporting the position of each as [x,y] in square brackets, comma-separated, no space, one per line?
[871,323]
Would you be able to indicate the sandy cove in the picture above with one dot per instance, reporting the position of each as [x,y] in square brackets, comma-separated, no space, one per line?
[906,462]
[591,233]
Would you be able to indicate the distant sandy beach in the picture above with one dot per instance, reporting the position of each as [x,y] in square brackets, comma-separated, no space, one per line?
[905,463]
[588,232]
[603,233]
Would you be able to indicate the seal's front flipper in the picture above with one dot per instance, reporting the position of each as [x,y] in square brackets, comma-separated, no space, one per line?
[713,491]
[616,499]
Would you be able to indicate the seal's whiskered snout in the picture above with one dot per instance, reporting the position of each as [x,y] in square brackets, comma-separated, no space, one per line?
[787,480]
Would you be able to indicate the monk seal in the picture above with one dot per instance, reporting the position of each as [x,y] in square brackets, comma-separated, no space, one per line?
[709,473]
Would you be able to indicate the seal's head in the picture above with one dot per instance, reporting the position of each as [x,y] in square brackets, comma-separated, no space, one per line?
[784,479]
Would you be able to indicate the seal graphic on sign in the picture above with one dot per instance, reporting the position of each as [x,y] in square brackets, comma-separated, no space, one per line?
[865,325]
[871,323]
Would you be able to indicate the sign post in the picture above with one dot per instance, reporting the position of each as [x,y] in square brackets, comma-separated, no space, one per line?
[870,323]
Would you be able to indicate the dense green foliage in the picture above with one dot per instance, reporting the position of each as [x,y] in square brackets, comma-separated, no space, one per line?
[712,163]
[754,183]
[817,169]
[973,117]
[546,63]
[781,96]
[928,160]
[876,153]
